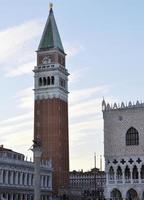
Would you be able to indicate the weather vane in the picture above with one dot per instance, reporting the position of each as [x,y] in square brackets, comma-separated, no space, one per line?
[51,5]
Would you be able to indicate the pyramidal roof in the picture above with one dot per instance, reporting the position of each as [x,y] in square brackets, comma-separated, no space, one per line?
[51,38]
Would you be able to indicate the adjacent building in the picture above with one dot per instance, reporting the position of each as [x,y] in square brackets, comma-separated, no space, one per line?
[124,150]
[17,177]
[51,103]
[89,184]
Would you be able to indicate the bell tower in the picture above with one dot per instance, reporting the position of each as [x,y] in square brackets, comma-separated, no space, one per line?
[51,103]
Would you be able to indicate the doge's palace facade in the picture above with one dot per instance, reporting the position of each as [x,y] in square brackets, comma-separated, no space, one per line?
[124,150]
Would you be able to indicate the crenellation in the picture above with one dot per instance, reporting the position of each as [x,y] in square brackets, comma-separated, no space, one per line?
[118,106]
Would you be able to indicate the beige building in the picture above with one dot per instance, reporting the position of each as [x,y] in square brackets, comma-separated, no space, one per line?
[124,150]
[89,184]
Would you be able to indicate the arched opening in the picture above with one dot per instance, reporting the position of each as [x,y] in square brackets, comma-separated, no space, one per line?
[111,173]
[14,177]
[23,197]
[18,178]
[40,81]
[48,80]
[132,137]
[52,80]
[44,81]
[142,172]
[127,173]
[116,195]
[119,173]
[9,177]
[4,176]
[135,173]
[132,195]
[143,196]
[8,197]
[23,179]
[43,181]
[28,179]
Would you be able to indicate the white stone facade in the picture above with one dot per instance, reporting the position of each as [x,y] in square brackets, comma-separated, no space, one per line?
[45,87]
[17,177]
[124,150]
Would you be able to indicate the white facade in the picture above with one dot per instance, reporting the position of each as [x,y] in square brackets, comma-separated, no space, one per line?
[17,177]
[51,79]
[124,150]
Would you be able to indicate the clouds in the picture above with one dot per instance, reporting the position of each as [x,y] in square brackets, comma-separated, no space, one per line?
[17,58]
[17,47]
[13,39]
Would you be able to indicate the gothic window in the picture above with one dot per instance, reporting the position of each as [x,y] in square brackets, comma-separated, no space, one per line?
[127,173]
[111,173]
[44,81]
[40,81]
[62,82]
[48,80]
[142,172]
[52,80]
[119,173]
[135,173]
[132,137]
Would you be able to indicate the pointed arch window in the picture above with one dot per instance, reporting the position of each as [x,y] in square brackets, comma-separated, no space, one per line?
[52,80]
[40,81]
[48,80]
[132,137]
[44,81]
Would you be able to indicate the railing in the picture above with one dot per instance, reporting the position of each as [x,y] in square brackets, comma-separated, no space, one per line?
[142,180]
[127,181]
[18,186]
[135,180]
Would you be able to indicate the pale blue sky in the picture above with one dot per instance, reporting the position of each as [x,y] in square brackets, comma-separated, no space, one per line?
[104,41]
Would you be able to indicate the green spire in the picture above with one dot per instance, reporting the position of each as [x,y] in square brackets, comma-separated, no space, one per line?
[51,38]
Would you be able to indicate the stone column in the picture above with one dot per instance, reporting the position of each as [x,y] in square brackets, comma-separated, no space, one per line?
[45,181]
[50,181]
[1,176]
[107,178]
[123,176]
[25,182]
[131,177]
[21,177]
[6,178]
[115,178]
[42,181]
[16,178]
[11,196]
[139,175]
[37,161]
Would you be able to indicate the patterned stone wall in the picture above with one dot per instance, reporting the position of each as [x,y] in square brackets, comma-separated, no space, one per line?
[116,124]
